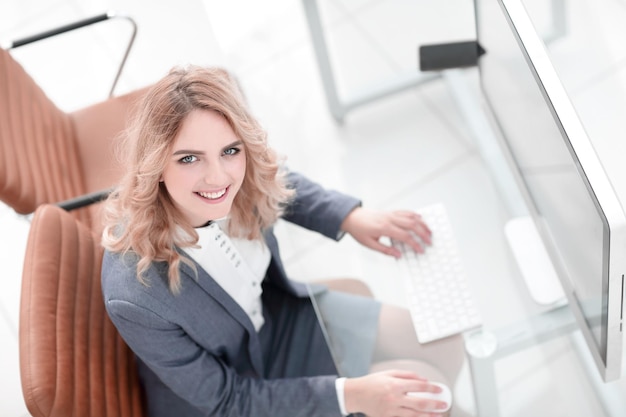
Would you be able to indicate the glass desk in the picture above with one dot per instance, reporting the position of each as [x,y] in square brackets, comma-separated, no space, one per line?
[529,358]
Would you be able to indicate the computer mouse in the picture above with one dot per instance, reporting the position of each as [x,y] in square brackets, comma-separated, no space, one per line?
[445,395]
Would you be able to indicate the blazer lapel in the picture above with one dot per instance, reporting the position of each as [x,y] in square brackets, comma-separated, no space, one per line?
[214,290]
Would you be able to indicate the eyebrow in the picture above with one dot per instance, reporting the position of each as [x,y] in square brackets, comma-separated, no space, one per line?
[196,152]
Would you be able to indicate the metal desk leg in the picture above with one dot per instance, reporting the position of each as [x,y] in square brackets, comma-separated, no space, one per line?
[480,348]
[312,14]
[339,107]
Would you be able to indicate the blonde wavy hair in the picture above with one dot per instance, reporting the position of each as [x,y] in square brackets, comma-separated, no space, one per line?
[140,217]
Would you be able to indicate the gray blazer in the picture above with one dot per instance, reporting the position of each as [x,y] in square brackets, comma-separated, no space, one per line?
[198,352]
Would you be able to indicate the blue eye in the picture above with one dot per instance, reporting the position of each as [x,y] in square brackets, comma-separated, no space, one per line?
[187,159]
[231,151]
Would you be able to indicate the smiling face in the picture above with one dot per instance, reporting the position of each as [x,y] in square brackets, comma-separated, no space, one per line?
[206,167]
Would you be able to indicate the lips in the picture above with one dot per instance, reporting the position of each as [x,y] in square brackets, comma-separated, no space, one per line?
[212,195]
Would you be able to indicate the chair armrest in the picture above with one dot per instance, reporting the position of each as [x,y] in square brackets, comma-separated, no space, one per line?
[81,24]
[84,200]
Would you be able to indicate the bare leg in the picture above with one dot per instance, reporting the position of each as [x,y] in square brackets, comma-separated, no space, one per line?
[348,285]
[397,346]
[397,340]
[396,335]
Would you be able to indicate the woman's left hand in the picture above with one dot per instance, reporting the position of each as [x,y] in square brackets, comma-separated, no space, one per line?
[369,226]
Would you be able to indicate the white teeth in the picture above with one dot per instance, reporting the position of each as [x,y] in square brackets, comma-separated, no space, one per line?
[213,196]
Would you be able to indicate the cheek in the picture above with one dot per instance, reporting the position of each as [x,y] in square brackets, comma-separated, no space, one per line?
[238,169]
[175,180]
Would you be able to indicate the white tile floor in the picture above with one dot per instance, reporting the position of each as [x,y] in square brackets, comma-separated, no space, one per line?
[407,150]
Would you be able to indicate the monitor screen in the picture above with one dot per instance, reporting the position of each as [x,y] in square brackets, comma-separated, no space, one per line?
[569,196]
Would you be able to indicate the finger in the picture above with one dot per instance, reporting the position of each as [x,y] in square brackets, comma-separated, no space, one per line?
[424,232]
[406,214]
[413,224]
[420,400]
[406,219]
[408,238]
[417,225]
[381,247]
[420,385]
[421,229]
[408,375]
[427,405]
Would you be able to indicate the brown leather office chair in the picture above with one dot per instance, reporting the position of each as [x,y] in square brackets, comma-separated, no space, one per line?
[48,155]
[72,360]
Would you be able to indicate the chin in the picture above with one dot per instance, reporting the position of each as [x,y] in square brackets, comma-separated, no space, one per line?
[220,214]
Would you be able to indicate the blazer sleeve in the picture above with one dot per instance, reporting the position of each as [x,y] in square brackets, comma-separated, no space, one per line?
[316,208]
[209,384]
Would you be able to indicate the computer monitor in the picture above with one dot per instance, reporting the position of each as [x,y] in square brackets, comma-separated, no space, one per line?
[568,195]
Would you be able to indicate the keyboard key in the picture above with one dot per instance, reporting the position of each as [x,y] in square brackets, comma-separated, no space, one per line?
[440,300]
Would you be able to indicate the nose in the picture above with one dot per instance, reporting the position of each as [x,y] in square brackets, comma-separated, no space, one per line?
[215,174]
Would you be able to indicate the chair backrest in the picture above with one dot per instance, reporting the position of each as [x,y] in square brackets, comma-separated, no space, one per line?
[72,360]
[48,155]
[38,154]
[97,129]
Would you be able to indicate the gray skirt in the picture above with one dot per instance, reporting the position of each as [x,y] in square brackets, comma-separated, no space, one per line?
[350,326]
[329,333]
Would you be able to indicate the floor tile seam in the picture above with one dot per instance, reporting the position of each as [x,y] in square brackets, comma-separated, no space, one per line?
[306,40]
[448,123]
[376,46]
[297,43]
[433,175]
[352,18]
[347,15]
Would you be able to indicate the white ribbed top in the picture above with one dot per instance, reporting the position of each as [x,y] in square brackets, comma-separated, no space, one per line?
[237,265]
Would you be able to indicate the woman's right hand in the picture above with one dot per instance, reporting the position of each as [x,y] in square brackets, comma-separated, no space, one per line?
[383,394]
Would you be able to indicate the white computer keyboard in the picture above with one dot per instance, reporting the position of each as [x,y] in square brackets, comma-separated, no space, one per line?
[440,300]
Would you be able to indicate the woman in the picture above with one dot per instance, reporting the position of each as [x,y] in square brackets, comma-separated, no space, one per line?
[193,280]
